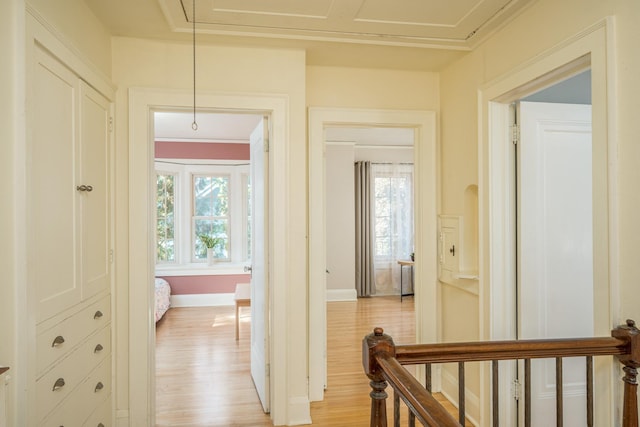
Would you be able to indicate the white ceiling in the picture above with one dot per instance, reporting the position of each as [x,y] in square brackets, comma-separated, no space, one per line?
[408,34]
[212,127]
[422,35]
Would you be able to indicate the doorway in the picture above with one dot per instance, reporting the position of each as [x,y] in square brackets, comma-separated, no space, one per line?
[423,125]
[387,215]
[498,201]
[554,241]
[210,221]
[141,252]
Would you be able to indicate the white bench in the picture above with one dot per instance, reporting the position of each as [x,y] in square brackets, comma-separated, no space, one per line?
[242,298]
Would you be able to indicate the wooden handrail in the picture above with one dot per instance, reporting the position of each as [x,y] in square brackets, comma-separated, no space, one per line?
[383,360]
[509,350]
[425,407]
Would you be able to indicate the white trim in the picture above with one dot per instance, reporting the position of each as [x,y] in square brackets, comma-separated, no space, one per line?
[184,173]
[298,407]
[201,269]
[497,275]
[142,101]
[122,418]
[342,295]
[426,201]
[202,300]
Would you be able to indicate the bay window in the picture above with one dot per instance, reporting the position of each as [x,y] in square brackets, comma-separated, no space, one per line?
[199,201]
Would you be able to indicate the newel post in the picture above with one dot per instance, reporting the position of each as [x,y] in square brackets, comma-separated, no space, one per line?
[631,362]
[372,345]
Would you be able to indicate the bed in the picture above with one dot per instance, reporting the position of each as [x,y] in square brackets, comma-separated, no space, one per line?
[163,295]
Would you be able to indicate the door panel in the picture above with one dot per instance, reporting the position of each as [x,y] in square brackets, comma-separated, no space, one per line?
[54,231]
[94,123]
[555,246]
[259,254]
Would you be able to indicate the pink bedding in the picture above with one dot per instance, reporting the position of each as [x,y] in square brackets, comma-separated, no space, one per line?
[163,295]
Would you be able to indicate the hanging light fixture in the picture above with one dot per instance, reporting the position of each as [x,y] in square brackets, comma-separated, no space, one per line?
[194,125]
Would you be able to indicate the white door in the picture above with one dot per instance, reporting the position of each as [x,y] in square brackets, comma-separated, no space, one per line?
[555,247]
[259,264]
[94,150]
[54,203]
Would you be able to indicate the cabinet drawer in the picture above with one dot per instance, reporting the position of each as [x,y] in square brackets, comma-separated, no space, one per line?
[65,377]
[56,342]
[97,387]
[66,415]
[101,417]
[86,404]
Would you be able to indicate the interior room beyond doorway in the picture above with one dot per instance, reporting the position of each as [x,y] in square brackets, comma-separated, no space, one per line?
[386,215]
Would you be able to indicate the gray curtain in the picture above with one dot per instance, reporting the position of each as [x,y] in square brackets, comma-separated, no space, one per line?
[365,278]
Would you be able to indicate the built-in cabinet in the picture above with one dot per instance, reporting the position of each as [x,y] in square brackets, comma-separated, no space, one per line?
[449,252]
[68,245]
[457,249]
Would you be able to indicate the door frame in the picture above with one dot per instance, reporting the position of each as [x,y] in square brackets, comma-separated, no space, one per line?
[141,334]
[427,198]
[588,49]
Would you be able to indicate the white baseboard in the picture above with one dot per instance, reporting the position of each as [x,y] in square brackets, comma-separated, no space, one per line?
[201,300]
[299,411]
[122,418]
[342,295]
[212,300]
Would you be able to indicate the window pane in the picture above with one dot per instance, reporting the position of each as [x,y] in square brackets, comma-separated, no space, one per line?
[211,215]
[211,195]
[393,212]
[218,229]
[165,217]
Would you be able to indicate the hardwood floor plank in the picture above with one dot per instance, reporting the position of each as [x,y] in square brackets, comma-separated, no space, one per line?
[203,377]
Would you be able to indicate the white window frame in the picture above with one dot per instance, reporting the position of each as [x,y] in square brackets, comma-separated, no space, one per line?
[176,211]
[230,232]
[185,170]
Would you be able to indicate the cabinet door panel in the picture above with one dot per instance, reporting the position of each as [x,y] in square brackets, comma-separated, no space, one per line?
[94,143]
[53,233]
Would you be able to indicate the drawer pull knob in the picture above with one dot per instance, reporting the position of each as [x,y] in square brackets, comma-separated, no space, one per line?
[100,425]
[99,387]
[97,315]
[98,348]
[59,384]
[59,340]
[84,188]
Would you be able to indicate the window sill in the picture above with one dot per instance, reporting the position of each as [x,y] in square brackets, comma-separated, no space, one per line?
[201,269]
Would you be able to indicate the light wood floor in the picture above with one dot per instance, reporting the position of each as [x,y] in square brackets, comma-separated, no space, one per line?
[202,373]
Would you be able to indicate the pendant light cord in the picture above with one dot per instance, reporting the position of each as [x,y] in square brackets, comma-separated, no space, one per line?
[194,125]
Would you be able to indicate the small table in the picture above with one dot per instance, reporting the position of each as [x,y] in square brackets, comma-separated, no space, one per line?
[242,298]
[405,263]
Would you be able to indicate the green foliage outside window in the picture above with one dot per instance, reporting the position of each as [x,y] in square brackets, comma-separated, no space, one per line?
[165,218]
[211,214]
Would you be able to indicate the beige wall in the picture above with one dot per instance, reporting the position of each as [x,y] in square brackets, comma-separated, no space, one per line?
[367,88]
[627,108]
